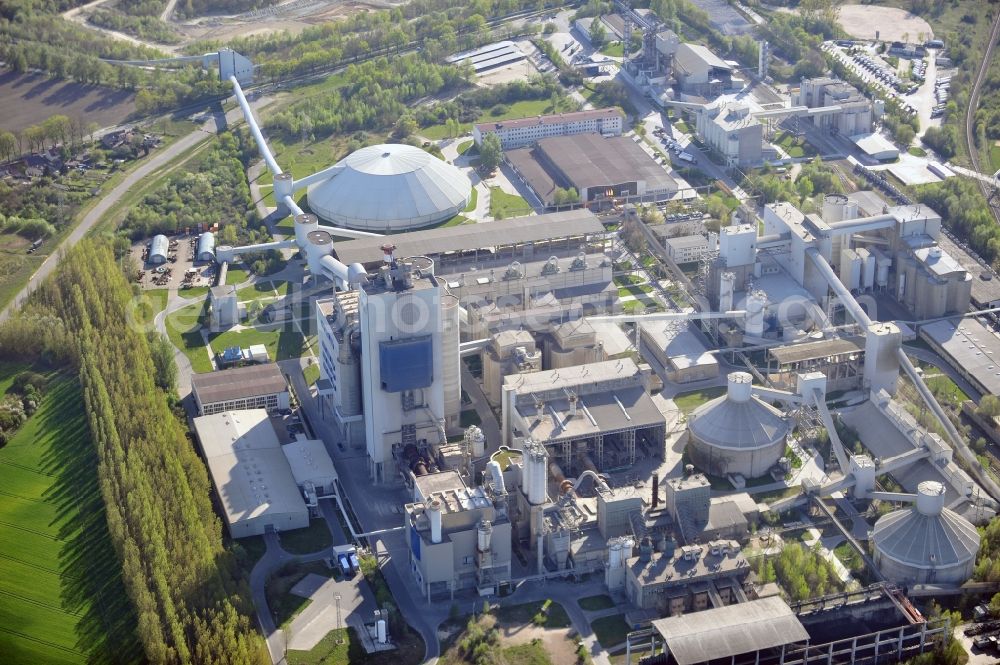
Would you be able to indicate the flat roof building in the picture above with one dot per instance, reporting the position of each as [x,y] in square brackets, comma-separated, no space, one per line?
[970,347]
[596,167]
[250,473]
[678,350]
[601,409]
[251,387]
[311,465]
[527,131]
[491,56]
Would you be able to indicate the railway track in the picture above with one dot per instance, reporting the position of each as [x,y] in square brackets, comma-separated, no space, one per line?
[970,112]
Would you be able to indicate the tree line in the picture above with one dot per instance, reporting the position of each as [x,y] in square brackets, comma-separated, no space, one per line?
[192,603]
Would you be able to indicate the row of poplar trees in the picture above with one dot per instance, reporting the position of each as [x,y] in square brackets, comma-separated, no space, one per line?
[192,603]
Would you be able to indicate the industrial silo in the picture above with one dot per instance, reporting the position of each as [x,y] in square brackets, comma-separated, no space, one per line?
[737,433]
[926,543]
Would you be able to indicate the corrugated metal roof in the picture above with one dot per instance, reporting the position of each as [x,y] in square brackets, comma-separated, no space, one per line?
[433,242]
[160,246]
[238,383]
[824,348]
[727,423]
[732,630]
[926,541]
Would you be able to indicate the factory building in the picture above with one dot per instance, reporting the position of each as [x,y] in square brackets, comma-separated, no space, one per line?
[598,168]
[926,543]
[678,350]
[840,359]
[733,130]
[590,416]
[970,347]
[737,433]
[251,387]
[311,467]
[224,305]
[696,69]
[856,114]
[206,247]
[388,187]
[159,250]
[509,352]
[528,131]
[389,364]
[697,517]
[686,249]
[572,343]
[459,538]
[251,474]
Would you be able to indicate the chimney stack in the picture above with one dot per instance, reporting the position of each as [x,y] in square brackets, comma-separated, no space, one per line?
[656,492]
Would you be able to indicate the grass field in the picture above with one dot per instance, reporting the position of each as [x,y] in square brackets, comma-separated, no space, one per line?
[342,647]
[149,305]
[594,603]
[687,402]
[27,99]
[184,330]
[504,205]
[61,597]
[306,541]
[522,109]
[611,630]
[237,275]
[613,49]
[281,340]
[793,145]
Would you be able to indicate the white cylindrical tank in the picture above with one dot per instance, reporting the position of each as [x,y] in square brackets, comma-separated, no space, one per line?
[304,225]
[484,533]
[318,244]
[283,183]
[739,386]
[450,359]
[616,557]
[833,208]
[756,302]
[536,472]
[476,441]
[727,286]
[381,631]
[496,473]
[850,268]
[434,514]
[868,274]
[882,265]
[930,498]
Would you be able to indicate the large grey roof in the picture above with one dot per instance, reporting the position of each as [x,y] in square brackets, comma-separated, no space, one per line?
[912,538]
[238,383]
[726,423]
[732,630]
[468,237]
[390,187]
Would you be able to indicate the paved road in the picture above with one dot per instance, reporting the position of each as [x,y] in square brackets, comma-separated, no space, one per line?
[156,161]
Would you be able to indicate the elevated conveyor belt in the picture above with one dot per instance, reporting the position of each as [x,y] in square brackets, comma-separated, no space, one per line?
[262,146]
[831,429]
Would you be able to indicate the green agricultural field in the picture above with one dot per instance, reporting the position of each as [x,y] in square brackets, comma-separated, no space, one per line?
[504,205]
[61,597]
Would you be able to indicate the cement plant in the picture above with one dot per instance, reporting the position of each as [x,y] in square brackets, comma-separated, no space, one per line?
[678,407]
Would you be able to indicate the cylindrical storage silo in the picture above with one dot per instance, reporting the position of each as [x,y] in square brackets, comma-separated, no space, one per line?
[833,208]
[304,225]
[868,273]
[451,375]
[476,441]
[434,514]
[756,302]
[381,631]
[727,286]
[737,433]
[615,553]
[484,532]
[882,264]
[535,467]
[926,543]
[318,245]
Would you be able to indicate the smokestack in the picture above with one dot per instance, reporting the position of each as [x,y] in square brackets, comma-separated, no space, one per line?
[656,491]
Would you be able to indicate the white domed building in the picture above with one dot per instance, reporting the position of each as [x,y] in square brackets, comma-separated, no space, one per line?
[737,433]
[390,187]
[926,543]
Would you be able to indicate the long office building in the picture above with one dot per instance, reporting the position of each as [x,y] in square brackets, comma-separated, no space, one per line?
[526,131]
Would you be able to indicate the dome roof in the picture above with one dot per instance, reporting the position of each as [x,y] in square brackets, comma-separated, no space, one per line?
[926,534]
[738,419]
[390,187]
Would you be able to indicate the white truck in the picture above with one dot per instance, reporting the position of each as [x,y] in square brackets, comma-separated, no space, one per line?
[687,157]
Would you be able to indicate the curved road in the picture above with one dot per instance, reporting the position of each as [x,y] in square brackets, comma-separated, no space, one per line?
[973,105]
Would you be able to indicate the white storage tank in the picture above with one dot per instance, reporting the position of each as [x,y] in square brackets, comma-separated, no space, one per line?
[476,441]
[484,533]
[850,269]
[756,302]
[304,225]
[381,631]
[434,515]
[727,286]
[496,474]
[318,245]
[882,264]
[926,543]
[535,472]
[868,272]
[737,433]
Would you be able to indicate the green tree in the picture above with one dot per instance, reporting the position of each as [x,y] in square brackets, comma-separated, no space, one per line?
[597,33]
[405,126]
[491,152]
[8,145]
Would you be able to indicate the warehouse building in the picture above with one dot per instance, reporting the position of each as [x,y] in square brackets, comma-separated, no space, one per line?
[250,387]
[678,350]
[970,347]
[491,56]
[311,466]
[206,247]
[528,131]
[598,168]
[159,249]
[598,414]
[251,474]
